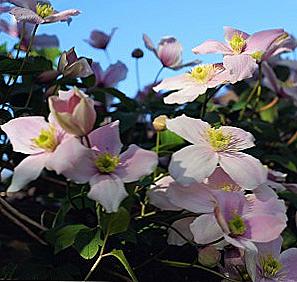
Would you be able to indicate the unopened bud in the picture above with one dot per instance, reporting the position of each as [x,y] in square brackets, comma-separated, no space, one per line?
[137,53]
[159,123]
[209,256]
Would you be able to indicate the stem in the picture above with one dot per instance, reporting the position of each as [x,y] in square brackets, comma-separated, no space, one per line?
[183,264]
[88,141]
[158,74]
[157,150]
[69,196]
[29,97]
[204,106]
[101,255]
[137,73]
[259,87]
[107,56]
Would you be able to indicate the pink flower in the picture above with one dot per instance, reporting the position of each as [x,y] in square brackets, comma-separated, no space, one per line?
[241,46]
[100,40]
[39,139]
[111,76]
[74,111]
[193,84]
[32,11]
[213,146]
[104,167]
[169,52]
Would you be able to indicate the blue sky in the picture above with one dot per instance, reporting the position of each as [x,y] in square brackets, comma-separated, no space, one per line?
[190,21]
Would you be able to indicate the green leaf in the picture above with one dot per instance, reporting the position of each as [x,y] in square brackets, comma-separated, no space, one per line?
[285,162]
[87,242]
[59,218]
[269,115]
[118,222]
[121,257]
[168,137]
[289,239]
[289,196]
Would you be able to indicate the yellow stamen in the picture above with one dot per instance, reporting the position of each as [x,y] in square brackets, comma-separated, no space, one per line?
[270,266]
[203,73]
[44,10]
[257,55]
[237,225]
[47,139]
[107,163]
[218,140]
[237,43]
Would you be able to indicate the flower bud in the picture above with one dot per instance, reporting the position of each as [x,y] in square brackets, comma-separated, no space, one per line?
[137,53]
[209,256]
[159,123]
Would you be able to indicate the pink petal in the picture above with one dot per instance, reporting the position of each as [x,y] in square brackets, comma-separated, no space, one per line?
[191,129]
[108,190]
[62,16]
[80,68]
[219,178]
[240,140]
[98,71]
[288,259]
[27,170]
[230,31]
[45,41]
[107,138]
[240,67]
[148,43]
[23,14]
[135,163]
[175,83]
[212,46]
[170,52]
[270,79]
[245,170]
[261,41]
[193,163]
[183,226]
[205,229]
[270,248]
[78,166]
[22,130]
[114,74]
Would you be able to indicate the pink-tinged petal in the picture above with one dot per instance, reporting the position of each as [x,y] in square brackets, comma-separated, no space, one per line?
[45,41]
[206,229]
[288,259]
[240,139]
[176,83]
[10,29]
[98,71]
[222,77]
[271,248]
[230,31]
[240,67]
[264,193]
[62,16]
[107,138]
[26,15]
[170,52]
[183,226]
[270,79]
[264,228]
[250,259]
[4,9]
[191,129]
[73,160]
[148,43]
[195,197]
[158,195]
[212,46]
[80,68]
[262,40]
[27,170]
[99,39]
[193,163]
[108,190]
[22,130]
[114,74]
[29,4]
[135,163]
[245,170]
[185,95]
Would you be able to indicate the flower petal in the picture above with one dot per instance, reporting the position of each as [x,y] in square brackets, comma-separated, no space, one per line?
[288,259]
[230,31]
[193,163]
[26,15]
[183,226]
[115,73]
[175,83]
[27,170]
[108,190]
[62,16]
[245,170]
[135,163]
[212,46]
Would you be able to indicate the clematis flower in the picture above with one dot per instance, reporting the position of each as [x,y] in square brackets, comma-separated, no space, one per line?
[169,52]
[272,265]
[99,39]
[213,146]
[39,139]
[242,50]
[104,167]
[39,12]
[191,85]
[74,111]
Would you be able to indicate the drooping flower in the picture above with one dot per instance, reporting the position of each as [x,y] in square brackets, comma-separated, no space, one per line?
[241,47]
[99,39]
[104,167]
[213,146]
[39,12]
[39,139]
[169,52]
[74,111]
[191,85]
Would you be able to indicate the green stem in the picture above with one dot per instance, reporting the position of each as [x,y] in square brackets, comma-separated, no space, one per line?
[157,150]
[137,73]
[204,106]
[259,89]
[101,254]
[158,74]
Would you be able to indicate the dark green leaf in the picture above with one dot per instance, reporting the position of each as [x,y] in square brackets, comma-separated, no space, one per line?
[118,222]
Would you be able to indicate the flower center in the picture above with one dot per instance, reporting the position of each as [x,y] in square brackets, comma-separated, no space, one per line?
[288,83]
[257,55]
[237,43]
[203,73]
[107,163]
[270,266]
[47,139]
[44,10]
[227,187]
[218,140]
[237,225]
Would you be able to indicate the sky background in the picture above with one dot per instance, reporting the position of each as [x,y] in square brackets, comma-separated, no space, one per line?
[190,21]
